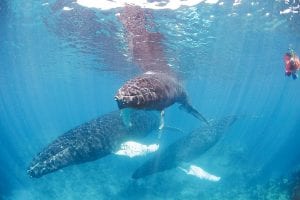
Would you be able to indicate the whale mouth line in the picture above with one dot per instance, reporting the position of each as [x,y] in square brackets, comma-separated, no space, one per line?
[38,169]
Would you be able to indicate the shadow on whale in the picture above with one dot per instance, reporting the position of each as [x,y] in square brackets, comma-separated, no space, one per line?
[91,141]
[186,149]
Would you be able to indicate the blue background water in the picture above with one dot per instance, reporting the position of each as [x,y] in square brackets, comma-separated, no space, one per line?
[59,69]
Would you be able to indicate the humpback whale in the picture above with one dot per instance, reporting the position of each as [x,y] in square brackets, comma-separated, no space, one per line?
[186,149]
[91,140]
[154,91]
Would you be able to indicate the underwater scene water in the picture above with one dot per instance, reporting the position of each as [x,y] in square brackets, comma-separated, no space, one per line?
[63,61]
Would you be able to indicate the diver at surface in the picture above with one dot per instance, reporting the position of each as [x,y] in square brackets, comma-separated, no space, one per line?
[292,64]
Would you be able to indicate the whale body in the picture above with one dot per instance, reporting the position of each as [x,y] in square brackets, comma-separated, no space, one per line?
[185,149]
[154,91]
[91,140]
[150,91]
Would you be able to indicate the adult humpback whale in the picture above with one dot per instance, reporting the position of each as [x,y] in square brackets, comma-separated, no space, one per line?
[186,149]
[91,140]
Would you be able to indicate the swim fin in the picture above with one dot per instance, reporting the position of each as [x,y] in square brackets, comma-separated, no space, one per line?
[190,109]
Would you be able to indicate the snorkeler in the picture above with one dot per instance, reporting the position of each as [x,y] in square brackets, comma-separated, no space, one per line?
[292,64]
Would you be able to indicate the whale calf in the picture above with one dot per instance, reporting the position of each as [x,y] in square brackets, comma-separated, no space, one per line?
[154,91]
[185,149]
[91,140]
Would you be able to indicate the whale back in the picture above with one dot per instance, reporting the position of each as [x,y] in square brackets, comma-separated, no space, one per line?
[91,140]
[185,149]
[152,91]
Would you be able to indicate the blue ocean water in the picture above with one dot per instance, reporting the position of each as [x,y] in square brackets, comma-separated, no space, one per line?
[60,68]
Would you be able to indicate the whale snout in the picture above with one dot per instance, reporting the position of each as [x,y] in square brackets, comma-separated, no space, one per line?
[121,102]
[34,171]
[125,101]
[32,174]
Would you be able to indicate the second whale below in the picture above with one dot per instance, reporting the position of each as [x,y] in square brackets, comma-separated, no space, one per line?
[185,149]
[91,141]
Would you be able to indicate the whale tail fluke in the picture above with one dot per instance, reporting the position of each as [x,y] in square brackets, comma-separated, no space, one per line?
[190,109]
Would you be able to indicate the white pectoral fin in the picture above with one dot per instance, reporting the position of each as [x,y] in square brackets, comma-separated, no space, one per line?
[200,173]
[133,149]
[126,116]
[162,120]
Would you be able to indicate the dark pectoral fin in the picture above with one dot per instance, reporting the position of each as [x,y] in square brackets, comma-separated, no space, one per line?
[188,108]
